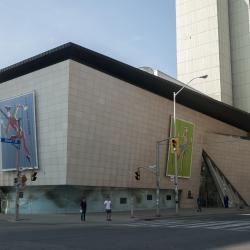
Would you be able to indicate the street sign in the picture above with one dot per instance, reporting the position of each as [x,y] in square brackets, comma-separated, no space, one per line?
[8,140]
[152,168]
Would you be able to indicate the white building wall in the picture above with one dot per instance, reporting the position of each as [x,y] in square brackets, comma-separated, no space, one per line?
[203,46]
[93,132]
[113,129]
[213,38]
[240,46]
[224,52]
[51,94]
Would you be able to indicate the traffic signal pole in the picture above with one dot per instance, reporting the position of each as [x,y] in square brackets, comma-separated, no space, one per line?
[157,180]
[174,135]
[175,162]
[18,184]
[157,173]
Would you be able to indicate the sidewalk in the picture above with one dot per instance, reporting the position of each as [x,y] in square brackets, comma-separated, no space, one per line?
[117,217]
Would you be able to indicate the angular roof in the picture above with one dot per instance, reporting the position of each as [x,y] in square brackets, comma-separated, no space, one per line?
[134,76]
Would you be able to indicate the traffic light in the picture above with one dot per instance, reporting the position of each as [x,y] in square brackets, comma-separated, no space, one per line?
[23,179]
[33,176]
[174,144]
[137,175]
[15,180]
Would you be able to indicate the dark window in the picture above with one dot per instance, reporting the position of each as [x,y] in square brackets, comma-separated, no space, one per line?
[168,197]
[149,197]
[123,200]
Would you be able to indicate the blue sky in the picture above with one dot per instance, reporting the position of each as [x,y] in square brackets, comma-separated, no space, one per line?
[136,32]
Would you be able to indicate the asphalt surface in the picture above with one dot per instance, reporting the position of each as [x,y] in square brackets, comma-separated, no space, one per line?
[217,231]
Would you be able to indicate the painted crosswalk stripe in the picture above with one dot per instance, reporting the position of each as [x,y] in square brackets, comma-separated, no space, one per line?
[229,225]
[216,225]
[206,224]
[241,228]
[193,224]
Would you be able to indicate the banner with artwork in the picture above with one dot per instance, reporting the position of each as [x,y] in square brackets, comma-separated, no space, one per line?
[18,122]
[184,148]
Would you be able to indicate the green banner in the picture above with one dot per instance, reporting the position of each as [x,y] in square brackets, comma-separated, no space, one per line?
[184,136]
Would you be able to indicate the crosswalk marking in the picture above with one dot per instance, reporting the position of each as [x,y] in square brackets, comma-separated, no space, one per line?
[205,224]
[232,225]
[242,228]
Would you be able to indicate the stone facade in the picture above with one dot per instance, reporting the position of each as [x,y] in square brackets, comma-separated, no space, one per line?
[94,130]
[213,39]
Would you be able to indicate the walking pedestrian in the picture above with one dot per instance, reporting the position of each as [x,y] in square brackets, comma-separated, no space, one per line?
[199,201]
[83,208]
[108,206]
[226,199]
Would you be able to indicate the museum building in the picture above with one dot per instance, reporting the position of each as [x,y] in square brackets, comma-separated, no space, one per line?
[96,121]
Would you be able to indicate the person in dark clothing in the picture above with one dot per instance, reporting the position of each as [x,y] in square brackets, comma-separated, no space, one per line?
[199,203]
[226,199]
[83,206]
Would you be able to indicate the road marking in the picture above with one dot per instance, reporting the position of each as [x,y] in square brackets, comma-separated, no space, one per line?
[229,225]
[242,228]
[235,225]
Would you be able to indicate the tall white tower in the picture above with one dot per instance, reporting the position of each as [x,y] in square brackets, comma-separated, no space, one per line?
[213,39]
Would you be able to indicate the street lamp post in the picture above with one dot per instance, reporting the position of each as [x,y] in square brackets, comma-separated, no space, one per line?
[157,180]
[18,182]
[174,135]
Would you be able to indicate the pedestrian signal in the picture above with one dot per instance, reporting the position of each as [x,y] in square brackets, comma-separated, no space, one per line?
[137,175]
[33,176]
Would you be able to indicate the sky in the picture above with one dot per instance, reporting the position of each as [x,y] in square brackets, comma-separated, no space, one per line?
[135,32]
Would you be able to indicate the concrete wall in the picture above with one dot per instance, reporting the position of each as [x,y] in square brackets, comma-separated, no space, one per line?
[113,127]
[66,199]
[51,94]
[213,39]
[198,50]
[93,132]
[240,51]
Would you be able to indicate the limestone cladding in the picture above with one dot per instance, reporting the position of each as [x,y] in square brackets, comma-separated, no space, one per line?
[113,129]
[95,130]
[51,94]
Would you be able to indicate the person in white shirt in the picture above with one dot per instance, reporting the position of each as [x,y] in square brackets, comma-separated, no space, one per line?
[108,206]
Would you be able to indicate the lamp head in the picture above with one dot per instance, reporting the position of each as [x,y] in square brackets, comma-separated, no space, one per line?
[204,77]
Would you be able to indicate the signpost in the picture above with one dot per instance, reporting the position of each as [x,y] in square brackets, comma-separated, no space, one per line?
[9,140]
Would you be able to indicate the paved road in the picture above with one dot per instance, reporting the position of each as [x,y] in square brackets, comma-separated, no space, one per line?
[189,233]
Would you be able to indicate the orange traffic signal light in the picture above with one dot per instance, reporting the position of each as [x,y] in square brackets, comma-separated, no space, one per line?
[23,179]
[174,145]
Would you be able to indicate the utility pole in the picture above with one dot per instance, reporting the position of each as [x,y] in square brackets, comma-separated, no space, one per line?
[157,173]
[175,162]
[18,184]
[157,180]
[175,152]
